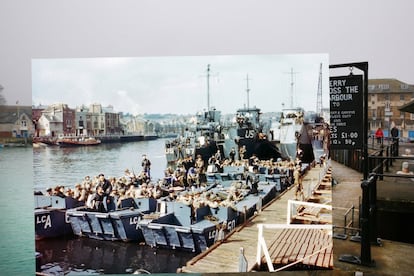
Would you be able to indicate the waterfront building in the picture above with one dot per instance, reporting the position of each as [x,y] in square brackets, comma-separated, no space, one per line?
[385,96]
[137,125]
[97,119]
[112,123]
[83,121]
[56,120]
[16,121]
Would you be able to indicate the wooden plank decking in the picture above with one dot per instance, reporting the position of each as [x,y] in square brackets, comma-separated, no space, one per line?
[300,245]
[224,257]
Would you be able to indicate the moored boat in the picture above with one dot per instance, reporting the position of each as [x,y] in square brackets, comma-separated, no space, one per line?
[78,141]
[50,216]
[291,124]
[182,227]
[115,225]
[251,135]
[202,217]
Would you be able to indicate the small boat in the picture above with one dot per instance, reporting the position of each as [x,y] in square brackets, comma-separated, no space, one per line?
[50,216]
[78,141]
[47,140]
[115,225]
[180,225]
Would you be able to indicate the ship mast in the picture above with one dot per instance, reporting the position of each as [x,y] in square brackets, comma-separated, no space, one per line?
[291,86]
[319,98]
[208,87]
[248,91]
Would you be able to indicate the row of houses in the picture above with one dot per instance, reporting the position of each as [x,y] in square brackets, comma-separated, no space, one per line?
[59,119]
[95,120]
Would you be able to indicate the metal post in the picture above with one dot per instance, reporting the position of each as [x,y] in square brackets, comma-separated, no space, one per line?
[365,258]
[387,164]
[397,146]
[365,225]
[381,167]
[373,229]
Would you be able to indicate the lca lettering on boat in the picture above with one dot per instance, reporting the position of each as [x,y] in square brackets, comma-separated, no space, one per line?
[230,225]
[133,220]
[45,219]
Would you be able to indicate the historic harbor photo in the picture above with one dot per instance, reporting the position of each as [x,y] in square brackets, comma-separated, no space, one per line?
[172,164]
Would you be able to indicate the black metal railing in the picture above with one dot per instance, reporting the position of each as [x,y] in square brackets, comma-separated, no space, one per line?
[379,162]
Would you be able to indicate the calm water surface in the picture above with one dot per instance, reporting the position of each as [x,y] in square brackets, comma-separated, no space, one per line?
[24,170]
[53,165]
[17,245]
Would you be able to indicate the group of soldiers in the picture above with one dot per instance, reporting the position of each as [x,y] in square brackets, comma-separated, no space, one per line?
[99,192]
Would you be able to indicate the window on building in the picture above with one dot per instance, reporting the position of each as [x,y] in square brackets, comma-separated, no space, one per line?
[386,97]
[404,86]
[401,97]
[384,86]
[371,87]
[23,123]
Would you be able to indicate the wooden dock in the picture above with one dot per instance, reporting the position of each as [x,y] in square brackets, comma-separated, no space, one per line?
[283,244]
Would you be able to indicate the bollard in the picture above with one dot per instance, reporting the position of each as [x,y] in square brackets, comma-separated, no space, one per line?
[242,261]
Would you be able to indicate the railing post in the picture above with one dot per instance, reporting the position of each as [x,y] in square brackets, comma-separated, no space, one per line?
[381,167]
[373,234]
[369,162]
[388,160]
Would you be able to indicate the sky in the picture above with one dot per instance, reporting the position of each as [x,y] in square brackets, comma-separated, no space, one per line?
[376,31]
[178,85]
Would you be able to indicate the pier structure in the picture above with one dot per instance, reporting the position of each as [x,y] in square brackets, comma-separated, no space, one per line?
[286,243]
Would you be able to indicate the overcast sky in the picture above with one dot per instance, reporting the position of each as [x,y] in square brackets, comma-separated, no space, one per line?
[377,31]
[179,84]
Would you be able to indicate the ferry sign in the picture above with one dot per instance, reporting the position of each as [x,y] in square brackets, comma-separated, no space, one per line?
[346,112]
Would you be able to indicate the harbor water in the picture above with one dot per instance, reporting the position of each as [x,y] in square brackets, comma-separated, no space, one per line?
[17,244]
[54,165]
[36,169]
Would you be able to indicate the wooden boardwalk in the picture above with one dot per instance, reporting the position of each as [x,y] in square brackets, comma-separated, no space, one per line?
[224,256]
[311,247]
